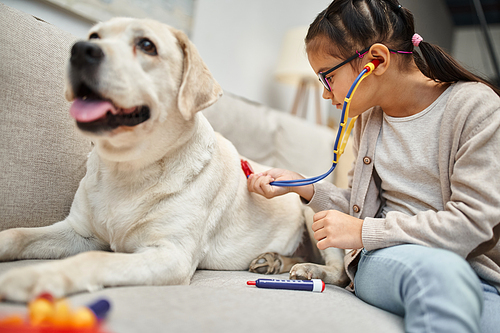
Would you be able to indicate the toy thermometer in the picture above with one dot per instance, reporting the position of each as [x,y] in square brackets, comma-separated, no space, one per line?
[315,285]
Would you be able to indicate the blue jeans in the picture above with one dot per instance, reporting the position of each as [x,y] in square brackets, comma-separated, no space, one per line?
[434,290]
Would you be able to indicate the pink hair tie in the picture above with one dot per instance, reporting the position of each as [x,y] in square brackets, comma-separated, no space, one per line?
[416,39]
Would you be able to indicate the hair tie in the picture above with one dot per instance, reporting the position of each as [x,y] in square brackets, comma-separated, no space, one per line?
[416,39]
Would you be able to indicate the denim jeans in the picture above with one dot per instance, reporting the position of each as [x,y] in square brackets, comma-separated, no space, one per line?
[490,320]
[434,290]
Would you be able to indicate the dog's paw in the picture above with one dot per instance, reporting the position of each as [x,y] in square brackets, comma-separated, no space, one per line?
[267,263]
[329,274]
[307,271]
[24,284]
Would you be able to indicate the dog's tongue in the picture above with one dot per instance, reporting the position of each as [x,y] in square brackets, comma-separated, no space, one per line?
[90,110]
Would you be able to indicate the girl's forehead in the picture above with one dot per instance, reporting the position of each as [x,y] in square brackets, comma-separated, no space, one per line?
[323,46]
[320,59]
[321,55]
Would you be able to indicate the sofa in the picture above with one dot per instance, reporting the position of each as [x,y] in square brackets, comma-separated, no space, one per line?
[42,159]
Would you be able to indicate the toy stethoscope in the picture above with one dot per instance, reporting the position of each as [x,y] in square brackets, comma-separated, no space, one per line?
[342,133]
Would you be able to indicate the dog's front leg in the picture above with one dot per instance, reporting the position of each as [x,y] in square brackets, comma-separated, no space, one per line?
[52,242]
[95,270]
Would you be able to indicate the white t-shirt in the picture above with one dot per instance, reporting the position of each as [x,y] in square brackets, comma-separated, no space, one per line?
[406,159]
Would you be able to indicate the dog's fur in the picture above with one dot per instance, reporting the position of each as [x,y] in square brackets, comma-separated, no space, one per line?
[166,194]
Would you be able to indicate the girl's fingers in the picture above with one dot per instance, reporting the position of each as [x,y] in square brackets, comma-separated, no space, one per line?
[252,181]
[259,184]
[317,225]
[320,215]
[320,234]
[323,244]
[264,184]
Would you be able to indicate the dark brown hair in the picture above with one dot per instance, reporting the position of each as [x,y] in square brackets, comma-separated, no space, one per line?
[349,25]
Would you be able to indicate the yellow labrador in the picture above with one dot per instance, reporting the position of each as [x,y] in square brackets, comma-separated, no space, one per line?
[164,194]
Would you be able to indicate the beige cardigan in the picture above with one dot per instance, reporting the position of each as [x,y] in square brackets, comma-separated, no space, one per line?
[469,166]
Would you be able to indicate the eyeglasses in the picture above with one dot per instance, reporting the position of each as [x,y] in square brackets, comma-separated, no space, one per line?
[360,54]
[322,75]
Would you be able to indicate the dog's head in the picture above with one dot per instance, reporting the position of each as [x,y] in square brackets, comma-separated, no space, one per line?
[133,77]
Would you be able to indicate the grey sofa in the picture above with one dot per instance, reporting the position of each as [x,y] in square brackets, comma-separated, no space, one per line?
[42,159]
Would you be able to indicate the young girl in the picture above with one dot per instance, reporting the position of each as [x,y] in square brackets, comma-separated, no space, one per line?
[422,211]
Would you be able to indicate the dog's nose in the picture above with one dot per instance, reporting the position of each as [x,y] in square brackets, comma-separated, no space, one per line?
[85,53]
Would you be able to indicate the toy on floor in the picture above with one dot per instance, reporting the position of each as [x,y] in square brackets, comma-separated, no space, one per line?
[45,314]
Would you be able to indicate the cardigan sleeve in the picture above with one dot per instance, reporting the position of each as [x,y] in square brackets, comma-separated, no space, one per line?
[327,196]
[470,221]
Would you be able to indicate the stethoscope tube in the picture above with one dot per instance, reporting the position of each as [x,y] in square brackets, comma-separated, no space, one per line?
[342,135]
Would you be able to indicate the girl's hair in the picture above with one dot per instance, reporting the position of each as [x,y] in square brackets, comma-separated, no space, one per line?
[351,25]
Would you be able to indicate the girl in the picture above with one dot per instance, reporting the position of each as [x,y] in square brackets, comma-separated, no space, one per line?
[422,211]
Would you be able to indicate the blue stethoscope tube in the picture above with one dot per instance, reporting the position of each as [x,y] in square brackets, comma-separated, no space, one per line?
[308,181]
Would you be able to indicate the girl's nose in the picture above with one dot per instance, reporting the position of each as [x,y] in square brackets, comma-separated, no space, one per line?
[327,94]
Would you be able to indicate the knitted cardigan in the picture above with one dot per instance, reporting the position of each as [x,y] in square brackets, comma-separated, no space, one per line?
[469,168]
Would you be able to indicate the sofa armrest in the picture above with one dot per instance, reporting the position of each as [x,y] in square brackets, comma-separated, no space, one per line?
[42,155]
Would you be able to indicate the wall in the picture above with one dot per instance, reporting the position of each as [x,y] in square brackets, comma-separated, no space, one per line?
[470,49]
[240,41]
[52,14]
[432,21]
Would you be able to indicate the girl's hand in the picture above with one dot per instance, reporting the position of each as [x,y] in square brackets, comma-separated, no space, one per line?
[335,229]
[259,183]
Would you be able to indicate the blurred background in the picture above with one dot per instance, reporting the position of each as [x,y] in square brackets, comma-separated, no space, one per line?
[254,48]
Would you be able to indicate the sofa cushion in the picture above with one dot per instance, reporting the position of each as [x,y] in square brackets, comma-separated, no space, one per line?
[42,156]
[221,301]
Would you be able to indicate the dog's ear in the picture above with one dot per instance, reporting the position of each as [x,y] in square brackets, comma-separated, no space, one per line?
[198,88]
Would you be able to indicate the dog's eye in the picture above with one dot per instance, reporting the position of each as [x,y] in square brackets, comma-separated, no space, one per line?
[147,46]
[94,36]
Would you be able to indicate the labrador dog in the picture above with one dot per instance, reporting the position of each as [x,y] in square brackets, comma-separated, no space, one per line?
[164,194]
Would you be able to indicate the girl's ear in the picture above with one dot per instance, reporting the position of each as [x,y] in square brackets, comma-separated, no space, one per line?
[382,53]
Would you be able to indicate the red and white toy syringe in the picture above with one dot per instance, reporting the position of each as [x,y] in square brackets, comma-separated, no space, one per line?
[315,285]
